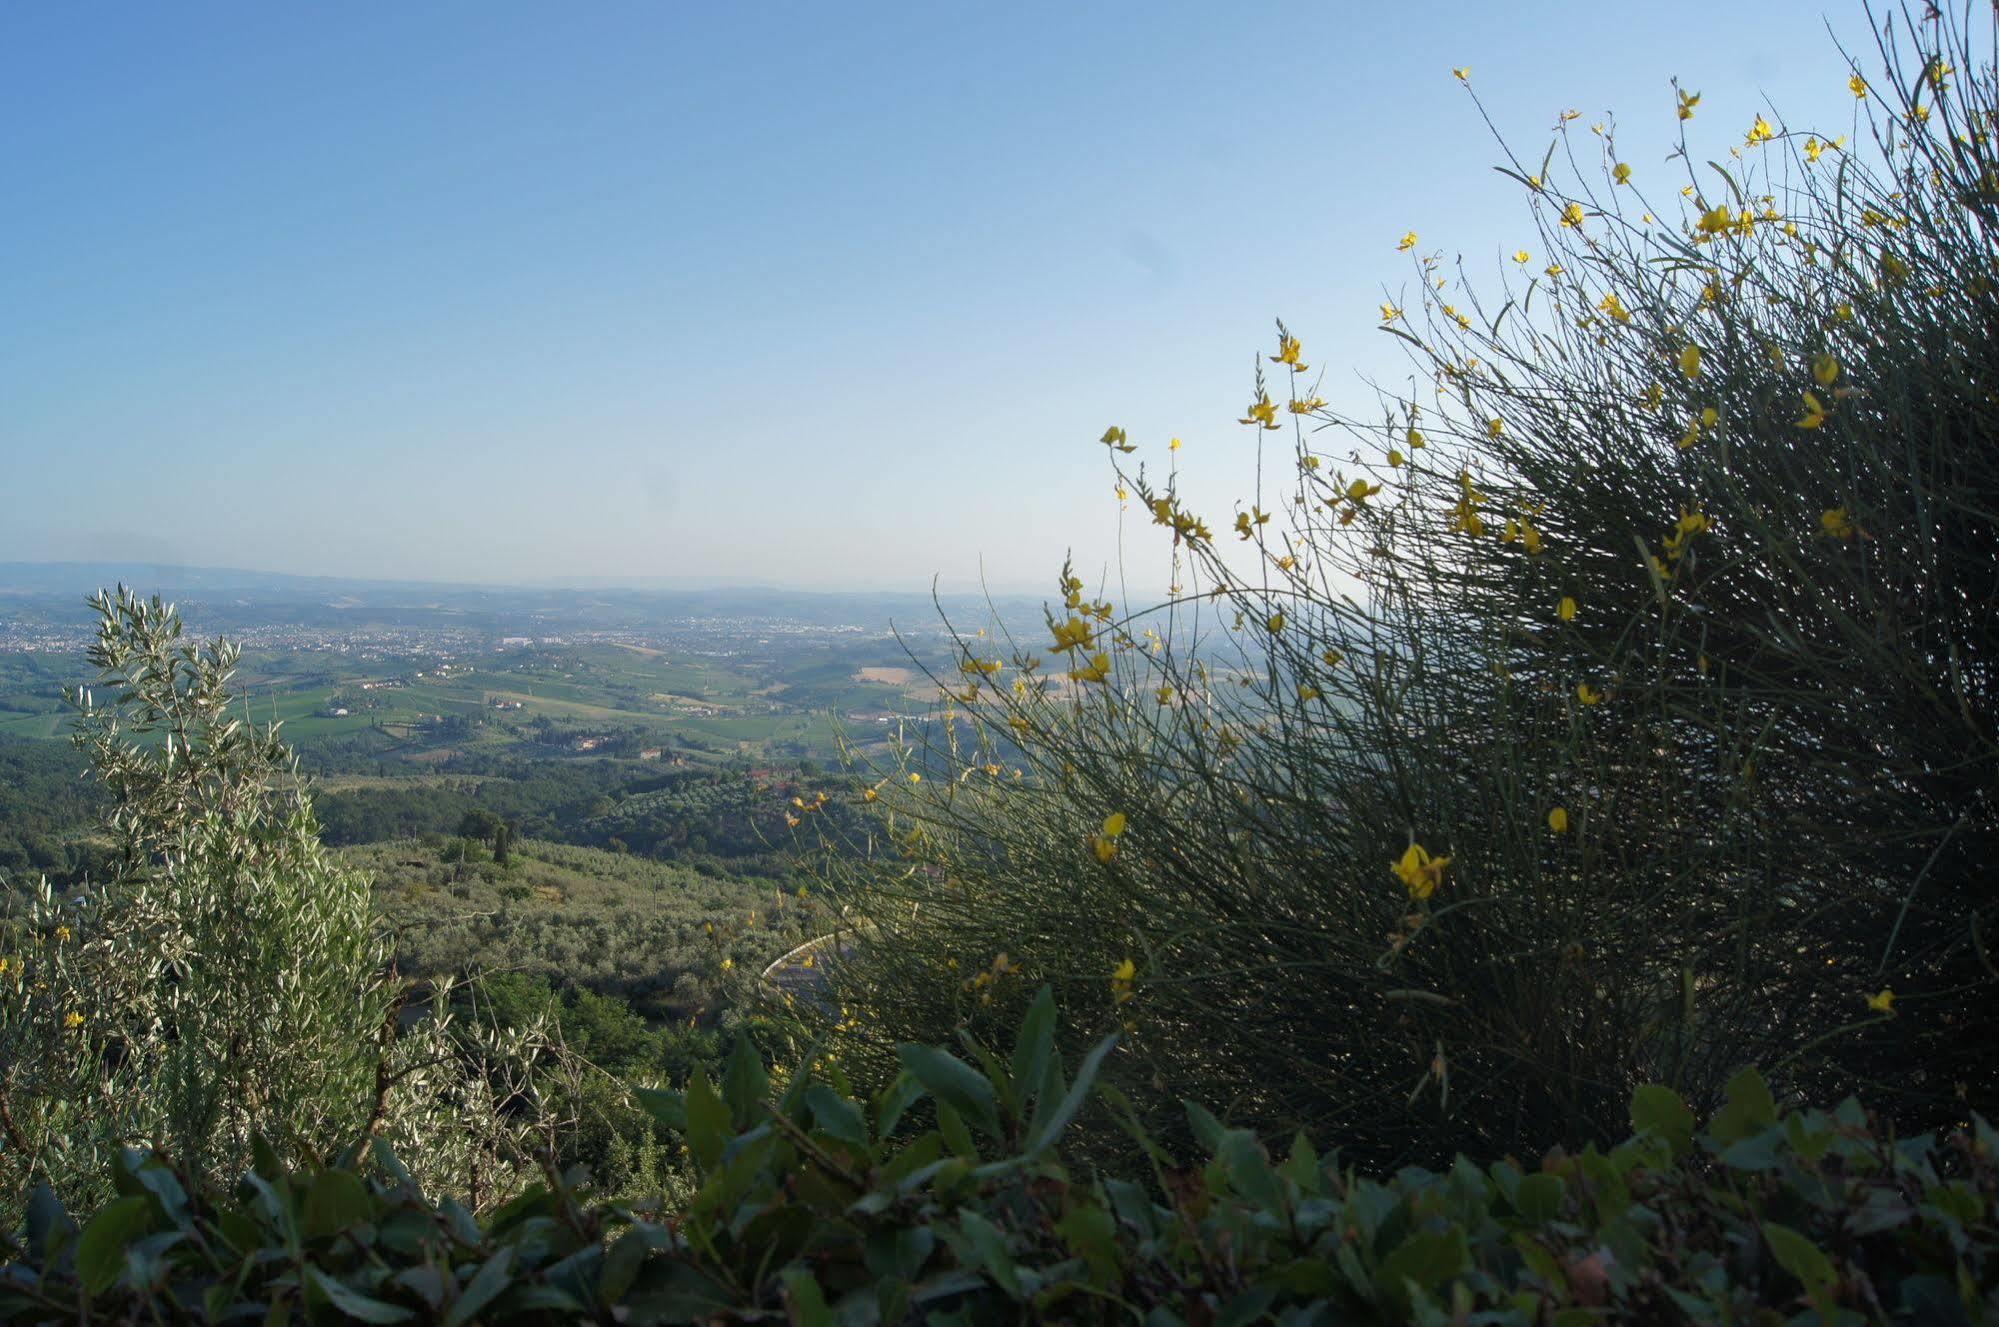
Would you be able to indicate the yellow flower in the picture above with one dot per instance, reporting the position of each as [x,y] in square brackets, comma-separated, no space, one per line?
[1275,621]
[1824,369]
[72,1019]
[1838,522]
[1395,457]
[1558,820]
[870,794]
[1461,73]
[1073,633]
[1843,312]
[1407,242]
[1521,255]
[1360,491]
[1098,670]
[1553,270]
[1689,100]
[1588,694]
[62,932]
[1621,173]
[1760,132]
[1261,411]
[1414,439]
[1105,848]
[1566,610]
[1690,361]
[1882,1001]
[1572,215]
[1389,313]
[1173,444]
[728,963]
[1716,221]
[1495,427]
[1614,306]
[1287,353]
[1857,86]
[1520,530]
[915,777]
[1115,437]
[1419,871]
[1121,978]
[1814,412]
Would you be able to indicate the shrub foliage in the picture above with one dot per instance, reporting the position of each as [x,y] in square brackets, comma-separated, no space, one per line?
[946,1199]
[1615,706]
[228,981]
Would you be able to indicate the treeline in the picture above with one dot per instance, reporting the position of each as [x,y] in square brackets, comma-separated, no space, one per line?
[733,819]
[45,805]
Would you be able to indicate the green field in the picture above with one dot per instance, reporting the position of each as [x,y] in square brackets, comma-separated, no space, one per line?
[785,698]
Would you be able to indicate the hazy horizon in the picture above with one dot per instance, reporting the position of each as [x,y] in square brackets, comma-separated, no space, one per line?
[810,298]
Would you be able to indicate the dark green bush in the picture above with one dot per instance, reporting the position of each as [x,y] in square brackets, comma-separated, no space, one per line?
[945,1199]
[1658,607]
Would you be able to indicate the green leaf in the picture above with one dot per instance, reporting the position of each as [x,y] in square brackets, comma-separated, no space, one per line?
[990,1243]
[100,1250]
[744,1082]
[1749,1109]
[1659,1110]
[155,1178]
[893,1100]
[707,1120]
[355,1304]
[1035,1046]
[1427,1257]
[806,1300]
[1079,1092]
[49,1226]
[953,1083]
[484,1287]
[956,1136]
[1207,1129]
[1092,1232]
[900,1251]
[1301,1167]
[668,1108]
[1798,1256]
[837,1115]
[336,1201]
[1538,1197]
[627,1258]
[1249,1170]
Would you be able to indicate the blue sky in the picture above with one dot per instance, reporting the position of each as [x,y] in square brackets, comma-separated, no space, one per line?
[814,295]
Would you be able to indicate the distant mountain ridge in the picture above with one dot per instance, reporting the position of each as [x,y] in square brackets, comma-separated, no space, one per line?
[282,596]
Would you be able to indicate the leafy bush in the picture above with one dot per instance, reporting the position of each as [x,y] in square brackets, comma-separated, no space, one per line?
[228,981]
[1619,710]
[828,1208]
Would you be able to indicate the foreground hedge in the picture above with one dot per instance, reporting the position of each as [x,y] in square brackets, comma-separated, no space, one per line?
[945,1200]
